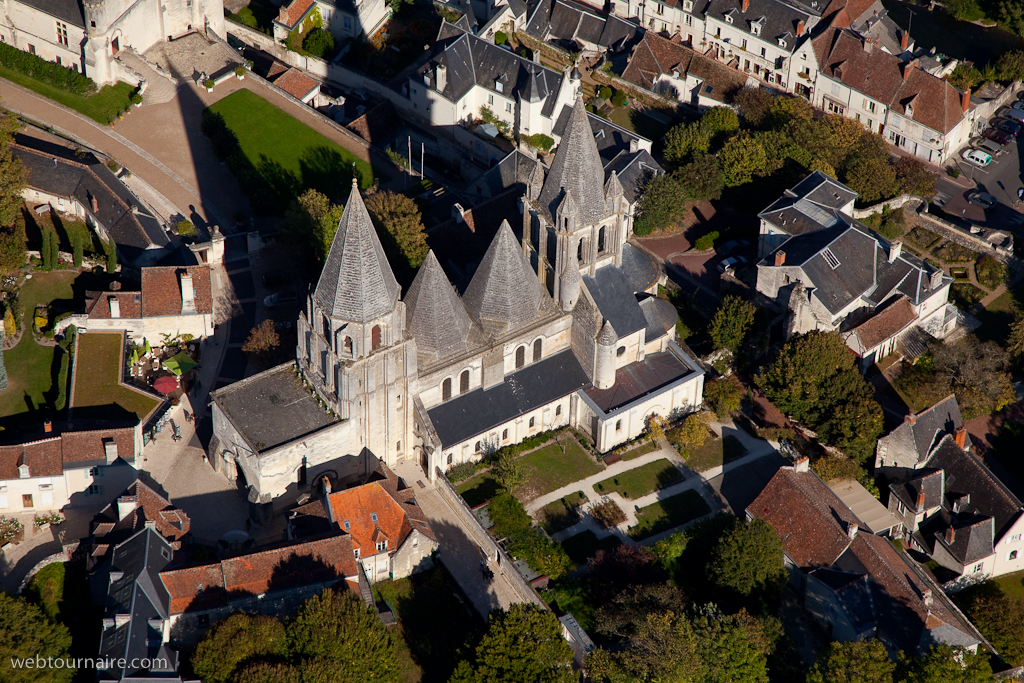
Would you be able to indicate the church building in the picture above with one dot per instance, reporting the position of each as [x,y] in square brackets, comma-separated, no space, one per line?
[558,326]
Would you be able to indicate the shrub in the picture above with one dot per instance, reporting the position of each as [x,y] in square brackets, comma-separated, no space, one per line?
[46,72]
[9,529]
[77,247]
[461,472]
[541,142]
[10,326]
[991,273]
[706,242]
[44,251]
[619,98]
[110,249]
[605,93]
[318,42]
[208,84]
[136,98]
[185,228]
[239,70]
[500,38]
[526,541]
[113,166]
[954,172]
[608,514]
[65,365]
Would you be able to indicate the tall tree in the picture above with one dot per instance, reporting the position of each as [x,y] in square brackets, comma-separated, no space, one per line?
[945,664]
[26,632]
[524,643]
[999,617]
[748,561]
[701,179]
[754,105]
[977,372]
[743,157]
[663,649]
[663,202]
[732,647]
[864,661]
[235,641]
[77,248]
[731,323]
[869,171]
[312,220]
[915,178]
[12,173]
[400,223]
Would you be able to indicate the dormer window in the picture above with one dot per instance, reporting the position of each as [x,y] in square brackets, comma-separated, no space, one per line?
[499,86]
[348,527]
[782,42]
[355,553]
[728,17]
[23,471]
[755,27]
[382,546]
[688,6]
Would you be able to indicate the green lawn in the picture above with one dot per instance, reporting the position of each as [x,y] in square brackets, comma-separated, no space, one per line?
[646,448]
[641,480]
[287,154]
[562,513]
[549,469]
[103,107]
[667,514]
[46,589]
[714,453]
[31,367]
[585,545]
[98,369]
[478,489]
[1011,585]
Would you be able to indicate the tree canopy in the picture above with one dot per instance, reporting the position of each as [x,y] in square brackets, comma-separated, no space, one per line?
[945,664]
[863,661]
[236,640]
[732,323]
[312,220]
[399,224]
[815,380]
[662,203]
[748,561]
[12,173]
[26,632]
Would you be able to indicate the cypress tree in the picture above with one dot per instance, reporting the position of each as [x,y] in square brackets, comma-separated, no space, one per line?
[111,249]
[44,252]
[77,247]
[54,250]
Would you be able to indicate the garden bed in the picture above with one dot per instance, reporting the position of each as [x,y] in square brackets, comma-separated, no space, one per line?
[715,453]
[964,294]
[642,480]
[668,514]
[585,545]
[562,513]
[922,238]
[951,252]
[103,107]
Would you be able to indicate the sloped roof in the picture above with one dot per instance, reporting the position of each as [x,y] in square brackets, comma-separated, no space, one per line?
[97,304]
[654,56]
[853,591]
[640,378]
[434,313]
[972,538]
[161,289]
[913,441]
[936,103]
[616,299]
[150,506]
[633,170]
[566,20]
[357,284]
[577,167]
[292,13]
[504,293]
[611,139]
[68,11]
[810,205]
[296,83]
[89,446]
[883,325]
[777,18]
[924,486]
[42,457]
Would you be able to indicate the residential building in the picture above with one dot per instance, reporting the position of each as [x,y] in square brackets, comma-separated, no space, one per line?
[68,468]
[137,507]
[554,326]
[345,19]
[836,274]
[682,18]
[855,584]
[909,446]
[89,36]
[578,27]
[82,187]
[391,537]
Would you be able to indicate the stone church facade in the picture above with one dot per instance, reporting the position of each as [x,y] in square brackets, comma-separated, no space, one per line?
[557,327]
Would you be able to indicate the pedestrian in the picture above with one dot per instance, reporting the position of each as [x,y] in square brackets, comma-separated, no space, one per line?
[483,568]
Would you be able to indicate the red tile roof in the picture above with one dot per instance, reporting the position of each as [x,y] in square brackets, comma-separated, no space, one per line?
[170,522]
[42,457]
[655,55]
[89,446]
[884,325]
[296,83]
[97,305]
[291,14]
[161,289]
[297,564]
[936,103]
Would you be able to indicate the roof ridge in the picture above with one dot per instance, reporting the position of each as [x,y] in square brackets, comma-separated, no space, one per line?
[504,289]
[436,316]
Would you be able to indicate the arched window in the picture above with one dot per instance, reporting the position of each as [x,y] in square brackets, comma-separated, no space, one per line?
[479,447]
[600,240]
[446,389]
[449,458]
[464,382]
[346,343]
[375,337]
[533,421]
[520,357]
[621,350]
[579,251]
[504,435]
[618,425]
[538,347]
[327,327]
[558,410]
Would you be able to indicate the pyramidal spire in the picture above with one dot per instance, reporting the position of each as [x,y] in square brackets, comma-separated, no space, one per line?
[357,284]
[577,167]
[504,292]
[434,312]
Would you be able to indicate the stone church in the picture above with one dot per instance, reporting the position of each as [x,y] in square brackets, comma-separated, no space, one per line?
[558,326]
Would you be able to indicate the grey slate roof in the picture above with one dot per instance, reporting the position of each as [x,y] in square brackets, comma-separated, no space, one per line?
[565,20]
[633,170]
[514,172]
[853,592]
[577,167]
[928,482]
[610,138]
[616,299]
[642,377]
[812,204]
[434,313]
[777,18]
[640,268]
[356,284]
[504,292]
[972,539]
[661,317]
[68,11]
[912,442]
[533,386]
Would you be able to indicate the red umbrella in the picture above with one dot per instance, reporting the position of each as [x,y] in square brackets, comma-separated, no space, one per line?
[166,384]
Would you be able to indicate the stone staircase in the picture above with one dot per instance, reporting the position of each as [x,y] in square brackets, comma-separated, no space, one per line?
[160,87]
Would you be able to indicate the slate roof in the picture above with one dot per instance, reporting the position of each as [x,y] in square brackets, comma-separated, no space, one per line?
[108,528]
[504,293]
[471,61]
[161,290]
[69,11]
[883,325]
[564,20]
[812,204]
[616,299]
[777,19]
[912,442]
[512,174]
[661,317]
[296,83]
[611,139]
[640,378]
[527,389]
[641,269]
[577,168]
[972,538]
[42,457]
[853,592]
[356,284]
[287,566]
[928,482]
[633,170]
[271,408]
[434,313]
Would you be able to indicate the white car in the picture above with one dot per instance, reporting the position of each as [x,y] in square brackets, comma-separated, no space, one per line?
[977,157]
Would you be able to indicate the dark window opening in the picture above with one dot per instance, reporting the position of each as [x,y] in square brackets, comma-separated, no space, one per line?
[446,390]
[375,337]
[464,382]
[520,357]
[600,240]
[538,347]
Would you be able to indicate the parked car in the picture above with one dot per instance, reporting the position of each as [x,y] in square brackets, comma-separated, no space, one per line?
[986,145]
[731,246]
[1011,127]
[982,199]
[1000,137]
[1019,105]
[281,299]
[977,157]
[730,262]
[1015,114]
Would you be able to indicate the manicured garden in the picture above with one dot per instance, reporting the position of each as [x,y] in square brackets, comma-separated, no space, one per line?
[715,453]
[549,468]
[642,480]
[102,107]
[644,449]
[99,364]
[562,513]
[669,513]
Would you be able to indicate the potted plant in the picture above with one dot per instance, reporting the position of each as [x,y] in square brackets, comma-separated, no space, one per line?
[240,72]
[209,84]
[137,99]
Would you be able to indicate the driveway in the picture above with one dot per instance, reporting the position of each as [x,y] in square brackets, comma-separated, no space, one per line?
[1001,179]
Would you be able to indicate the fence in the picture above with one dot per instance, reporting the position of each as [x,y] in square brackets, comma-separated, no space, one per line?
[486,541]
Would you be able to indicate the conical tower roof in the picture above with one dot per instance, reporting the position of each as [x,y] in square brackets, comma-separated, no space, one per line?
[357,284]
[504,292]
[434,313]
[577,167]
[608,335]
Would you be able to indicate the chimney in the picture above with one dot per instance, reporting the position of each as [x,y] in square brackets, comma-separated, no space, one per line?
[745,6]
[936,278]
[188,294]
[441,77]
[780,258]
[910,419]
[634,145]
[869,45]
[115,307]
[110,450]
[458,213]
[895,249]
[47,426]
[965,100]
[950,535]
[125,506]
[904,40]
[851,530]
[95,203]
[927,598]
[907,68]
[961,438]
[920,499]
[802,464]
[800,27]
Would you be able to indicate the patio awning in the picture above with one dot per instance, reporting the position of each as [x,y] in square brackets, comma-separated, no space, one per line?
[180,363]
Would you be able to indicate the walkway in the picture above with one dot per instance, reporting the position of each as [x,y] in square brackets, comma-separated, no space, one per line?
[160,87]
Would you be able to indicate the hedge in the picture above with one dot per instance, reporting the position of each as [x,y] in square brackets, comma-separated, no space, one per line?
[47,72]
[526,541]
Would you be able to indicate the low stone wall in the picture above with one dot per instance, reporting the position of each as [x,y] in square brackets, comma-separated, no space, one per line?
[486,541]
[894,203]
[964,238]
